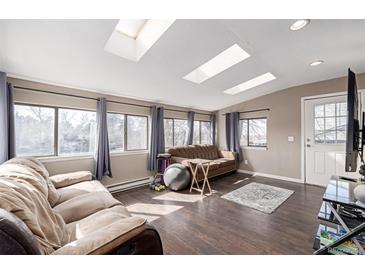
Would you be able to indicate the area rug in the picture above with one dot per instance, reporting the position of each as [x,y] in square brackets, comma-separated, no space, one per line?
[261,197]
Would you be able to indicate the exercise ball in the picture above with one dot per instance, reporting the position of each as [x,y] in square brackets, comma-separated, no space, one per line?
[176,177]
[359,193]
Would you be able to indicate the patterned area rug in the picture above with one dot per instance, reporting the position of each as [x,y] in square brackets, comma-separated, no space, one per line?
[261,197]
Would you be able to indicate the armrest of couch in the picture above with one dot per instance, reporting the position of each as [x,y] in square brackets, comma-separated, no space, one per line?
[227,154]
[67,179]
[103,241]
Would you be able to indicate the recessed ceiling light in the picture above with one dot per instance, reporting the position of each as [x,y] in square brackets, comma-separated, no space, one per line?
[316,63]
[299,24]
[257,81]
[217,64]
[131,27]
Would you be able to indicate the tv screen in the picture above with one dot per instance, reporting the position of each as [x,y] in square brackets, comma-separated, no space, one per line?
[352,140]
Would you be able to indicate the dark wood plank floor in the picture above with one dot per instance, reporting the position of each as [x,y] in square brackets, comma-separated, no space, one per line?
[216,226]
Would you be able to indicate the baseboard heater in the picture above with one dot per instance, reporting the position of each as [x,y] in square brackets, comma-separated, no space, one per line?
[127,185]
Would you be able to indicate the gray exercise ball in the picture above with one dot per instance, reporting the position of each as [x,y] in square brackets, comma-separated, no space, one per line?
[176,177]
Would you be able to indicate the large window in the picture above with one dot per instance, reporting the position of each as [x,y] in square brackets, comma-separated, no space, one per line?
[253,132]
[176,132]
[34,128]
[76,132]
[202,133]
[330,123]
[127,132]
[52,131]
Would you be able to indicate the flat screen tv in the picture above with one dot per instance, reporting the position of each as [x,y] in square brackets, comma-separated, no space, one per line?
[353,143]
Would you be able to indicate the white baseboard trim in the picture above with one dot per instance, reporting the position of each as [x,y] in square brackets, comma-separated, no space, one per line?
[123,186]
[254,173]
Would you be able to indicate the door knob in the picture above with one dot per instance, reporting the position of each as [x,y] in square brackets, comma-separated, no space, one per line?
[308,145]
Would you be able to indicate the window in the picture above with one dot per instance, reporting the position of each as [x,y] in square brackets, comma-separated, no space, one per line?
[202,133]
[76,131]
[253,132]
[176,132]
[180,132]
[127,132]
[330,123]
[137,132]
[34,128]
[169,132]
[116,131]
[53,131]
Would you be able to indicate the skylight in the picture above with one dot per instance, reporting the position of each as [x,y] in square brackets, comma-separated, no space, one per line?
[131,27]
[257,81]
[132,38]
[217,64]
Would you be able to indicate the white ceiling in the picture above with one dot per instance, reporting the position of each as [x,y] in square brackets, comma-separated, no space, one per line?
[71,52]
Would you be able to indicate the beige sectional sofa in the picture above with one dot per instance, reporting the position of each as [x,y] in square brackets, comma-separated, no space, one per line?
[222,161]
[66,214]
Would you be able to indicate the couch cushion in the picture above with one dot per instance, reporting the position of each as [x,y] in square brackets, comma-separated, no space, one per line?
[209,152]
[67,179]
[223,162]
[97,221]
[82,206]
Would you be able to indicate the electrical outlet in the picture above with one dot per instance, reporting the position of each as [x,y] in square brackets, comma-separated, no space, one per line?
[246,162]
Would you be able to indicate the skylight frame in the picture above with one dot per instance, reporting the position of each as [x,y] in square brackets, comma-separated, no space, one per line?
[216,65]
[252,83]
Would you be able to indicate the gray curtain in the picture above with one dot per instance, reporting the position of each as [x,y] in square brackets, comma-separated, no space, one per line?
[213,127]
[233,134]
[157,137]
[102,158]
[7,134]
[190,138]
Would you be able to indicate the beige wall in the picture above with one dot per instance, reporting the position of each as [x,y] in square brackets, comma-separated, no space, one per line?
[282,158]
[125,167]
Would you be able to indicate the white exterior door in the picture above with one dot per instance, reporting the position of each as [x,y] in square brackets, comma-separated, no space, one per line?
[324,139]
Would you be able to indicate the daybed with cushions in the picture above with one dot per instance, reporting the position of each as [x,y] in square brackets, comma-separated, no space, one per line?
[222,161]
[65,214]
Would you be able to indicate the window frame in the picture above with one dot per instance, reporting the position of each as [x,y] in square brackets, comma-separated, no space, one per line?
[55,127]
[248,132]
[125,132]
[56,131]
[173,129]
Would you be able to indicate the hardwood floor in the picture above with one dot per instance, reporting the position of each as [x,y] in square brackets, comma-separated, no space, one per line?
[216,226]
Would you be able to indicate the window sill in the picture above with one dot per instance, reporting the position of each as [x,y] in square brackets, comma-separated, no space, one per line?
[255,148]
[89,156]
[64,158]
[125,153]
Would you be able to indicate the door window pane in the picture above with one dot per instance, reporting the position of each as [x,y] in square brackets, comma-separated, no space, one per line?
[76,131]
[34,127]
[206,133]
[180,132]
[330,110]
[168,125]
[116,131]
[257,132]
[136,132]
[331,128]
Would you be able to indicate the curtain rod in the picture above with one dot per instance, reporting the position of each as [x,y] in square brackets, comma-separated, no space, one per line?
[254,110]
[95,99]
